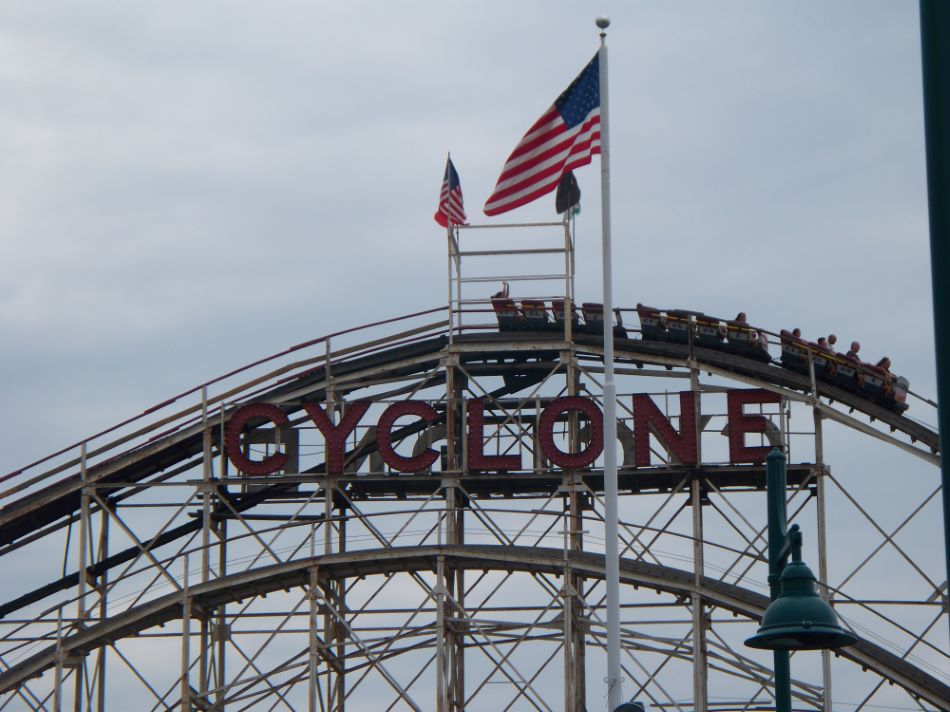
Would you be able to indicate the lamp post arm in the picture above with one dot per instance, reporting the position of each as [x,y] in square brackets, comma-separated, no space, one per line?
[794,545]
[791,547]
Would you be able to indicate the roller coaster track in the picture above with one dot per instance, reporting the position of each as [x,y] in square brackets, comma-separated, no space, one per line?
[484,354]
[294,574]
[38,502]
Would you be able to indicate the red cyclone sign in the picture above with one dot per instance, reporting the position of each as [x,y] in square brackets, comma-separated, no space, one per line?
[648,420]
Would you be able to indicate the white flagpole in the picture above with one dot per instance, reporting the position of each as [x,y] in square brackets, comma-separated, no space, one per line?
[612,553]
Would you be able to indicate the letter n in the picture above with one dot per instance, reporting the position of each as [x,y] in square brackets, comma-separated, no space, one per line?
[648,419]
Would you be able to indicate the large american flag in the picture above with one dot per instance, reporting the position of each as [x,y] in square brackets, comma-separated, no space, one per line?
[565,137]
[450,199]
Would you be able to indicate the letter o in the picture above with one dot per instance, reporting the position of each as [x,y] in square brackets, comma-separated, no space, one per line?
[549,417]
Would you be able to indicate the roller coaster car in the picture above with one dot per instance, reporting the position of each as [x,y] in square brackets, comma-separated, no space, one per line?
[557,308]
[883,387]
[846,373]
[594,320]
[864,379]
[709,332]
[743,341]
[900,388]
[535,315]
[677,326]
[652,323]
[825,363]
[877,383]
[509,318]
[794,352]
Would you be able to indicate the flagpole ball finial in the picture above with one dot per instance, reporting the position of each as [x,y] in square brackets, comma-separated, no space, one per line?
[603,22]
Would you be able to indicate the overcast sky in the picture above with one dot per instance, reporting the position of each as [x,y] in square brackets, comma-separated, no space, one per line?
[187,187]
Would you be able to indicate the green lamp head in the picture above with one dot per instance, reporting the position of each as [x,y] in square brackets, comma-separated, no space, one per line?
[631,707]
[799,619]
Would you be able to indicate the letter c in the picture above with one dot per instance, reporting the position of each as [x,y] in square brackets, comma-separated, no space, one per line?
[232,441]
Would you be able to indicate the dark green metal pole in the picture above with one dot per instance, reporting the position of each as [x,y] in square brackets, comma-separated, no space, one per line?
[775,484]
[935,56]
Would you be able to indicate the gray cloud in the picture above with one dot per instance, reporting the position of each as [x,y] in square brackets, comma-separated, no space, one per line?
[189,187]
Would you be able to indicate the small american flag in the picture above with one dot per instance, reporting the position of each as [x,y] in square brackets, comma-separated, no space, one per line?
[565,137]
[450,199]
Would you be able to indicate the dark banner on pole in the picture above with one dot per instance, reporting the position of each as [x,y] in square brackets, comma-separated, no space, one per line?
[935,55]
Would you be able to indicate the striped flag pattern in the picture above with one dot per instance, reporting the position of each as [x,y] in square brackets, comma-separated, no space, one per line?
[564,138]
[450,199]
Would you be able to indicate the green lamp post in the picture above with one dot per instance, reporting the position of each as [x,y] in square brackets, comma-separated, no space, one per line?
[797,618]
